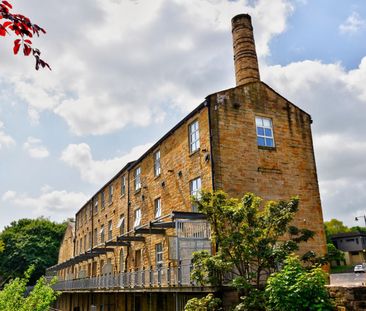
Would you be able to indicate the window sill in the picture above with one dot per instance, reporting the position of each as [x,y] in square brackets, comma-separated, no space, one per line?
[157,176]
[122,196]
[194,152]
[137,191]
[267,148]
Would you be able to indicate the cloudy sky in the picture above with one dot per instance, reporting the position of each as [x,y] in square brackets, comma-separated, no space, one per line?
[125,71]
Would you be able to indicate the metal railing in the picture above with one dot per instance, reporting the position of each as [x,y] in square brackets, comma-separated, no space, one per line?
[158,277]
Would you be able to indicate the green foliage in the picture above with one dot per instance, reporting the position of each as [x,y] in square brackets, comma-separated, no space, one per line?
[12,297]
[30,242]
[334,254]
[2,246]
[296,288]
[208,303]
[334,226]
[252,241]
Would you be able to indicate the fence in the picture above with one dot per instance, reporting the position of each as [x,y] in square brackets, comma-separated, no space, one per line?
[164,276]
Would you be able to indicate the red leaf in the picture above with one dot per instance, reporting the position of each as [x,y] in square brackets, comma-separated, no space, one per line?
[26,50]
[16,48]
[28,41]
[17,41]
[2,32]
[6,24]
[7,4]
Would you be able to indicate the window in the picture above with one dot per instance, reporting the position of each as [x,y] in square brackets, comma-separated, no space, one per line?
[95,236]
[110,228]
[137,180]
[157,207]
[264,132]
[85,243]
[81,246]
[137,218]
[121,224]
[159,254]
[110,193]
[96,205]
[102,199]
[157,163]
[195,188]
[102,234]
[194,137]
[77,246]
[123,185]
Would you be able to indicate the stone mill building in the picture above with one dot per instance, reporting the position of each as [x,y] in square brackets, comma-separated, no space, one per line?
[132,242]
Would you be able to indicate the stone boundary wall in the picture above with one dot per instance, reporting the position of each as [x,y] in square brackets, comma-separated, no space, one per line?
[348,298]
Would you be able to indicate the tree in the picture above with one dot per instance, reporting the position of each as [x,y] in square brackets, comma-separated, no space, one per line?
[335,226]
[27,242]
[334,254]
[2,246]
[296,288]
[22,27]
[13,298]
[252,241]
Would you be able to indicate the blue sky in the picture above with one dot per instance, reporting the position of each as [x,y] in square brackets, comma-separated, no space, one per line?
[124,72]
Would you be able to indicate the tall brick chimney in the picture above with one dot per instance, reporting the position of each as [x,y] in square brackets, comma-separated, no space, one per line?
[245,56]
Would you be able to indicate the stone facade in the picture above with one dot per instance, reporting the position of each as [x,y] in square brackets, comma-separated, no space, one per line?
[134,238]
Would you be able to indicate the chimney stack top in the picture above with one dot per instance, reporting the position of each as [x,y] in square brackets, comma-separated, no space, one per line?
[245,56]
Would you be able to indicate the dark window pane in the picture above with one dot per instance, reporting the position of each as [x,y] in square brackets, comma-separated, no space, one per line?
[268,132]
[269,142]
[261,141]
[260,131]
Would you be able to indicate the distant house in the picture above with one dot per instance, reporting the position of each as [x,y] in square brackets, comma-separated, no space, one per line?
[353,244]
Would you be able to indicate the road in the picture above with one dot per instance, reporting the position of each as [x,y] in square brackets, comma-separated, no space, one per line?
[348,279]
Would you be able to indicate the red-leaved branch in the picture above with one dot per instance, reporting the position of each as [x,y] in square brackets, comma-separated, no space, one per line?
[24,29]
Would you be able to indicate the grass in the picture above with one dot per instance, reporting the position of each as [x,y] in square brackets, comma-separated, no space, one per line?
[341,269]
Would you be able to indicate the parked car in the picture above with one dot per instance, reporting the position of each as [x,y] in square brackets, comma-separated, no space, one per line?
[360,268]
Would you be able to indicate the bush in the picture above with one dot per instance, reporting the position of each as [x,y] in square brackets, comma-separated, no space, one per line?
[296,288]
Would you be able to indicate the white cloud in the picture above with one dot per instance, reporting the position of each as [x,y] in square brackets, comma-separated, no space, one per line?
[123,62]
[35,148]
[9,195]
[55,202]
[352,24]
[93,171]
[336,99]
[5,139]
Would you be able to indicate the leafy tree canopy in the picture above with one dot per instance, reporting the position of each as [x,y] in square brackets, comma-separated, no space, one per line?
[253,240]
[335,226]
[30,242]
[13,298]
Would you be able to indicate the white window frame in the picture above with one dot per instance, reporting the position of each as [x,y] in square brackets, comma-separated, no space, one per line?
[102,199]
[195,187]
[102,235]
[157,208]
[110,230]
[137,178]
[123,185]
[121,224]
[157,166]
[137,217]
[264,124]
[110,193]
[194,136]
[159,259]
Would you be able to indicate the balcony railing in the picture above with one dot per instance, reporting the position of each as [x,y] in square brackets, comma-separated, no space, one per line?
[158,277]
